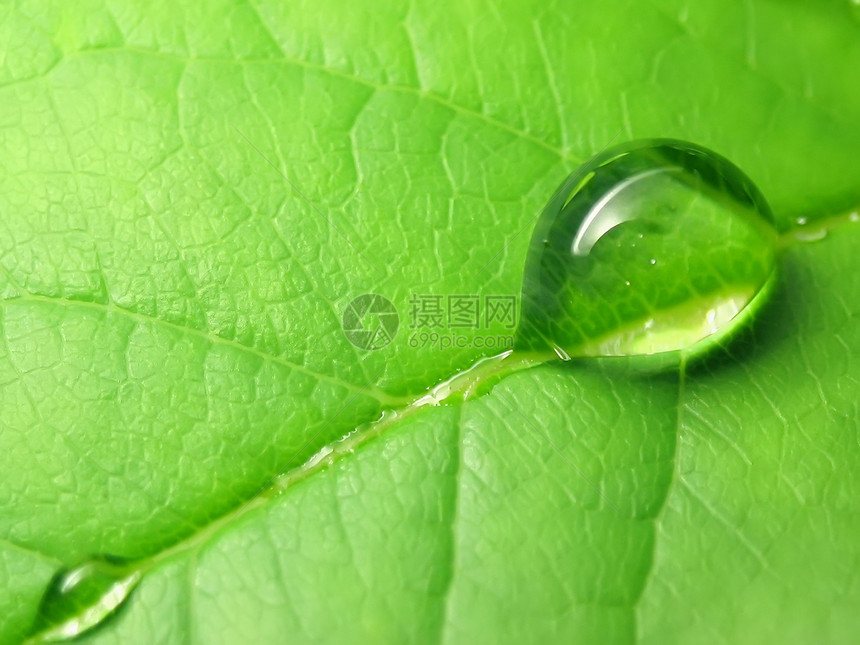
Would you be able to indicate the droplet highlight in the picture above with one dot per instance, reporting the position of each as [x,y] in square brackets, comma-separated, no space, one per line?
[652,246]
[82,597]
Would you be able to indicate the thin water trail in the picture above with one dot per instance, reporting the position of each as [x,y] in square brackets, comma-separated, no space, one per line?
[656,251]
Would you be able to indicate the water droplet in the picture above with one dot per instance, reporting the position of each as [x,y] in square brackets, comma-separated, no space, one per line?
[563,355]
[806,232]
[82,597]
[653,246]
[811,235]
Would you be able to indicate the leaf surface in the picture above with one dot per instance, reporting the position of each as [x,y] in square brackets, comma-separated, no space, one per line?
[171,338]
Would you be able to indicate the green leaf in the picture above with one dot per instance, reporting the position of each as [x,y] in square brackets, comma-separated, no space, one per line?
[171,341]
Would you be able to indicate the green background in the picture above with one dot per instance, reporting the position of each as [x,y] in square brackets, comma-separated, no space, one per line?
[171,339]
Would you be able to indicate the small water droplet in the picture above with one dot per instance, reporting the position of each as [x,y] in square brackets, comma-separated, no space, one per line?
[801,221]
[653,246]
[854,217]
[82,597]
[318,457]
[812,235]
[563,355]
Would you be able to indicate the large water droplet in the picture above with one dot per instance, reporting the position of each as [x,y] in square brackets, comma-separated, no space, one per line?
[82,597]
[653,246]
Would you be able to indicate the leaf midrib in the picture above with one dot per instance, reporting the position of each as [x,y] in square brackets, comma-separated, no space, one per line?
[223,523]
[193,544]
[327,454]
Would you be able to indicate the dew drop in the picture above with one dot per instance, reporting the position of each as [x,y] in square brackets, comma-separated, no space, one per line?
[82,597]
[650,247]
[811,235]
